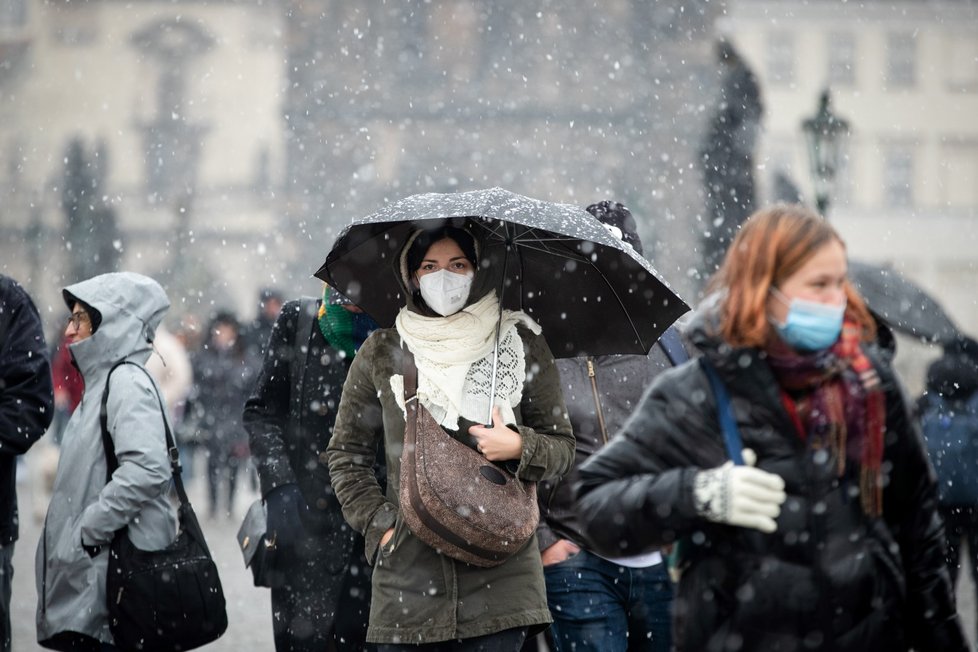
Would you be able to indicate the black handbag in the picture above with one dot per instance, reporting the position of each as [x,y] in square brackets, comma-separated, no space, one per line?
[255,547]
[162,600]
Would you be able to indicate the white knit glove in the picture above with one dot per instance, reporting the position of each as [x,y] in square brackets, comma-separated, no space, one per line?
[739,495]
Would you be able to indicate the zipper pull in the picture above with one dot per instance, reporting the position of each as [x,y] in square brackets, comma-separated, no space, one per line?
[590,368]
[118,598]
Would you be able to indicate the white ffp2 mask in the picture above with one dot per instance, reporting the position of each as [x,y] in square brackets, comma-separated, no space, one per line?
[445,292]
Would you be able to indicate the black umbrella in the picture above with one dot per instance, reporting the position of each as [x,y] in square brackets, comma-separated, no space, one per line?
[591,293]
[901,304]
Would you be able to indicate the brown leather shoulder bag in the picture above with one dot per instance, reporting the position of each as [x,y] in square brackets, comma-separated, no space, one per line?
[453,498]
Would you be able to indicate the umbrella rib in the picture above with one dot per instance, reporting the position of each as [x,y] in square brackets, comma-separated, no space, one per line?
[621,304]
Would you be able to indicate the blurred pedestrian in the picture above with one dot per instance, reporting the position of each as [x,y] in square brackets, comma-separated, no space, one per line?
[423,599]
[224,374]
[827,537]
[270,302]
[113,317]
[320,578]
[603,603]
[26,410]
[172,371]
[68,388]
[948,413]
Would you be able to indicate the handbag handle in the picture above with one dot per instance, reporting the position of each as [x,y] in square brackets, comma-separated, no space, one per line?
[410,371]
[728,424]
[171,448]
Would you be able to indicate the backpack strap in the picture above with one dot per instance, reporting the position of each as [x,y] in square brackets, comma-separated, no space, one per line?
[109,446]
[728,424]
[672,344]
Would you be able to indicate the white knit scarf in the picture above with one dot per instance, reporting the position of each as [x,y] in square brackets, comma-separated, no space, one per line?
[454,359]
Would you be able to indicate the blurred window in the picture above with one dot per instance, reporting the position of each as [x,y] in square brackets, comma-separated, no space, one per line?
[780,59]
[901,60]
[959,177]
[961,65]
[898,176]
[842,59]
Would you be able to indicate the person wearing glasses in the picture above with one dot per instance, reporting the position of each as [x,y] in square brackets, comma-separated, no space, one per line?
[113,317]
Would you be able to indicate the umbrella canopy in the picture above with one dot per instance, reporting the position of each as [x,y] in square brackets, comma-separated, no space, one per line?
[901,304]
[591,293]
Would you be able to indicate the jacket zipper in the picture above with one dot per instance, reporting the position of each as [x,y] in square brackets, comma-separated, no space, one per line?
[597,399]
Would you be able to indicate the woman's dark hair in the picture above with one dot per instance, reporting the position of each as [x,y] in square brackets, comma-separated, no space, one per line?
[425,239]
[94,316]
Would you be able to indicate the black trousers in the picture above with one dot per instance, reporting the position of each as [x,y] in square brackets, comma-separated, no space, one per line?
[961,526]
[317,604]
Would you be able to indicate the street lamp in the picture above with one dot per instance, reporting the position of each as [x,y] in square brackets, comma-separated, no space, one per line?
[825,135]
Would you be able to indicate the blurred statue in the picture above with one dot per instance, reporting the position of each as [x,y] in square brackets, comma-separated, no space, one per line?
[727,155]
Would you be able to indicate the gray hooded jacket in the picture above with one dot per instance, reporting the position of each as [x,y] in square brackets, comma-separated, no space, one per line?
[83,508]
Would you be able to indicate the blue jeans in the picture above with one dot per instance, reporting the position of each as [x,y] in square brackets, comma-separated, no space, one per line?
[599,605]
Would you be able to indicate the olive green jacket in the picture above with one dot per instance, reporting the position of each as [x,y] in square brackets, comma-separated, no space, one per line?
[419,595]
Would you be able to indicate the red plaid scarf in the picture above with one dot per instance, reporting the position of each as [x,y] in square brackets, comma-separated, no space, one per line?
[839,403]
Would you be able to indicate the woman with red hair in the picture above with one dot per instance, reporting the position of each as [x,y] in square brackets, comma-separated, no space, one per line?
[825,535]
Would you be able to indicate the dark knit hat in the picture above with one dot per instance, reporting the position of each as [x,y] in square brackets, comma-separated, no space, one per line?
[615,214]
[954,375]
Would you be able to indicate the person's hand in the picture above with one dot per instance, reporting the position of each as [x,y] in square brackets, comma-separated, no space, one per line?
[740,495]
[387,537]
[283,505]
[498,443]
[562,550]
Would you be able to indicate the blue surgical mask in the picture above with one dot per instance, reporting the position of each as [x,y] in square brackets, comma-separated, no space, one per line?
[810,325]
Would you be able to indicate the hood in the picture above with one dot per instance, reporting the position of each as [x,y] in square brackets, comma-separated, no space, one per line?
[486,278]
[954,376]
[130,306]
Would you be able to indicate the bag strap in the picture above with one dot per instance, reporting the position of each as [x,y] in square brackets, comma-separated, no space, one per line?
[672,344]
[109,446]
[410,371]
[728,424]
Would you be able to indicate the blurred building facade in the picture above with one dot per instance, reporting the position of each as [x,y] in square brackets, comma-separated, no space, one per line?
[905,76]
[170,112]
[233,139]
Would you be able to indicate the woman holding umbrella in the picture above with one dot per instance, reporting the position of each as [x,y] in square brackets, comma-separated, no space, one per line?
[785,463]
[450,324]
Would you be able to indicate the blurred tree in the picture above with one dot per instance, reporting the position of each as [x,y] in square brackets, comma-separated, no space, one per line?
[727,155]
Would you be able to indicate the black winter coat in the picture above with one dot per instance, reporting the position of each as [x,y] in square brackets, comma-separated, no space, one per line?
[830,578]
[26,393]
[620,382]
[288,437]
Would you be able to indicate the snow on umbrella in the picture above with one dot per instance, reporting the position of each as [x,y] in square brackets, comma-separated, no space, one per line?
[591,293]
